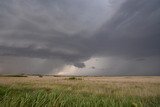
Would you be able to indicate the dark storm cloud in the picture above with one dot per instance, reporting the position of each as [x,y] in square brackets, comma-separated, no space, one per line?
[14,65]
[79,65]
[51,30]
[93,67]
[71,32]
[133,30]
[132,35]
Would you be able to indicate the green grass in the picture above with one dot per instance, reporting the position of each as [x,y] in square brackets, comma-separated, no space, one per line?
[23,97]
[48,91]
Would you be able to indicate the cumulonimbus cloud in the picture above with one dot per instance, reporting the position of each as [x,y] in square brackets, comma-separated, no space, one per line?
[74,31]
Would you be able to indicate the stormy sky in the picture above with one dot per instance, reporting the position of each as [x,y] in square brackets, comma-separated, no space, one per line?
[80,37]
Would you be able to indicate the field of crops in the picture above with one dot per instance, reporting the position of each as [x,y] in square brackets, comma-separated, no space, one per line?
[50,91]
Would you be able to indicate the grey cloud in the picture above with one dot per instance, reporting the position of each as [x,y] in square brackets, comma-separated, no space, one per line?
[79,65]
[36,53]
[122,66]
[93,67]
[71,32]
[133,33]
[14,65]
[132,67]
[140,59]
[133,30]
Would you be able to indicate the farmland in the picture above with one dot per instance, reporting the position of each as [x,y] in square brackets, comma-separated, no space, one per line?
[50,91]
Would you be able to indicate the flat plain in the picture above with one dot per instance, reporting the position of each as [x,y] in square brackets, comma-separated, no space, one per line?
[51,91]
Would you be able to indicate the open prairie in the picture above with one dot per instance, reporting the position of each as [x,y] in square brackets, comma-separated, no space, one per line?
[50,91]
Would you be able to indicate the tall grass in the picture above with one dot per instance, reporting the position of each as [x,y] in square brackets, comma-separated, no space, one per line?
[48,91]
[11,97]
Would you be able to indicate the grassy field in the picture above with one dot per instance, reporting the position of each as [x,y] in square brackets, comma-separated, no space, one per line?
[49,91]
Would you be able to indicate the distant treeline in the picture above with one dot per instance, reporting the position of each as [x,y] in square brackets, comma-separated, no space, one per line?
[17,75]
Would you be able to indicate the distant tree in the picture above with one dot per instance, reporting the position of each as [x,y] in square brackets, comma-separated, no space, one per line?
[39,75]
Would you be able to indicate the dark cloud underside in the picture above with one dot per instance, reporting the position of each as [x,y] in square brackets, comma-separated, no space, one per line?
[51,34]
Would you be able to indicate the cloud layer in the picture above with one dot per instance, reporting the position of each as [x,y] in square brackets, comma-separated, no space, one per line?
[52,34]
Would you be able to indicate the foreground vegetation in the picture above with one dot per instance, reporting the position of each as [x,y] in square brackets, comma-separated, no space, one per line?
[80,92]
